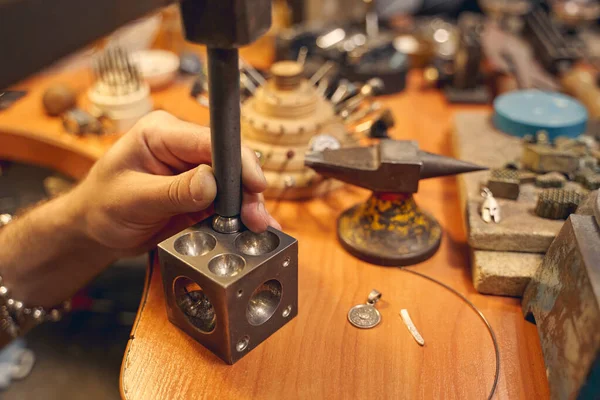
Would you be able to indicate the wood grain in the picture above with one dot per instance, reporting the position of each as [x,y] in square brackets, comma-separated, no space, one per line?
[319,354]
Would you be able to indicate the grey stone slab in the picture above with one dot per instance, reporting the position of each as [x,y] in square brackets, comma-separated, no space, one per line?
[503,273]
[476,140]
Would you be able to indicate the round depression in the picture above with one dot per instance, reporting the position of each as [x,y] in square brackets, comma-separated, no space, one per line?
[256,244]
[264,302]
[226,265]
[195,244]
[194,304]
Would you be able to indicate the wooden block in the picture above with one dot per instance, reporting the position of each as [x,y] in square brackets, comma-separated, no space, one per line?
[476,140]
[503,273]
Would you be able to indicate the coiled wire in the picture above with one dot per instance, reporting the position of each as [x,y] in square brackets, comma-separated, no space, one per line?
[480,314]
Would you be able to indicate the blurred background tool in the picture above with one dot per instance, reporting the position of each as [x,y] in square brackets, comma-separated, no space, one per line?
[556,51]
[389,228]
[458,60]
[361,50]
[119,91]
[158,67]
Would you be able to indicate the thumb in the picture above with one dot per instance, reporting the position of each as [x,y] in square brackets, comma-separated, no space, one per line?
[190,191]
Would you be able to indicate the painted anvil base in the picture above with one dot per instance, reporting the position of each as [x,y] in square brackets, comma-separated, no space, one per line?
[389,229]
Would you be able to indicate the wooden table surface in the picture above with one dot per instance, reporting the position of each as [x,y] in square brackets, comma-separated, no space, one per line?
[319,354]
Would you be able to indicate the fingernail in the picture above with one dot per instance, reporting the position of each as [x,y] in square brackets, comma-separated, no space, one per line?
[273,223]
[202,186]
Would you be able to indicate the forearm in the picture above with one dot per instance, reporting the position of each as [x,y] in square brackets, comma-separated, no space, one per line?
[46,255]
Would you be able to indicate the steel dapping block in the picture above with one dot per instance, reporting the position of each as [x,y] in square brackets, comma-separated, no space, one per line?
[230,292]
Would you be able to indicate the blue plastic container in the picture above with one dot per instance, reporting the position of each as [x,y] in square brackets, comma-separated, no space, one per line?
[526,112]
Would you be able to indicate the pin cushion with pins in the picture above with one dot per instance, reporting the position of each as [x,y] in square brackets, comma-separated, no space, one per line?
[119,92]
[229,291]
[283,119]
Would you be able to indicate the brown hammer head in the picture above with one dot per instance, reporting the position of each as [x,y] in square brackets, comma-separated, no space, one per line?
[225,24]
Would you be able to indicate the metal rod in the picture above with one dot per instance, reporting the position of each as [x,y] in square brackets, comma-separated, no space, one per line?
[321,72]
[253,73]
[224,99]
[323,86]
[340,92]
[372,24]
[357,116]
[248,83]
[302,55]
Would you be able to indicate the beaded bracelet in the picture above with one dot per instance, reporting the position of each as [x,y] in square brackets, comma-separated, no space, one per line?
[15,318]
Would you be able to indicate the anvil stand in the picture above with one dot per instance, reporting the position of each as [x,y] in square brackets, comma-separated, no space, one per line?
[389,229]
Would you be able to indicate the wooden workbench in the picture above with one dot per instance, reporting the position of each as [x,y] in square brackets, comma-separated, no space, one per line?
[319,354]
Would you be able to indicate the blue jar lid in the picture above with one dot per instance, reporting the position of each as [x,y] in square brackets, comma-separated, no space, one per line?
[526,112]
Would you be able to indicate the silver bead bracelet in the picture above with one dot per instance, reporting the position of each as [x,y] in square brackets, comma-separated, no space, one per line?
[15,318]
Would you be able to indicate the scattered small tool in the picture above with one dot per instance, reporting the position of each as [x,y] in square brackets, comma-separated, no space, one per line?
[9,97]
[78,122]
[550,180]
[504,183]
[557,203]
[411,327]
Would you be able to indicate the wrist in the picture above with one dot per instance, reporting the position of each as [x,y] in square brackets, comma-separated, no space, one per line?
[45,245]
[73,208]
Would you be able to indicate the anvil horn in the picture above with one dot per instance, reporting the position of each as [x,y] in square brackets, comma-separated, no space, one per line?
[435,165]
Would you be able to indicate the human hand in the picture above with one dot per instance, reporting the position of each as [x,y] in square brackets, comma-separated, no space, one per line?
[155,181]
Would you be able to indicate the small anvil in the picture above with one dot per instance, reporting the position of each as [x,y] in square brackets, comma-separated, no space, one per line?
[388,229]
[392,166]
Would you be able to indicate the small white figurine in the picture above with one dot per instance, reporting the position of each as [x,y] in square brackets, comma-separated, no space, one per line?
[490,210]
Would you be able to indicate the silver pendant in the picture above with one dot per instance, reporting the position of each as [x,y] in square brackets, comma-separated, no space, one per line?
[490,210]
[366,316]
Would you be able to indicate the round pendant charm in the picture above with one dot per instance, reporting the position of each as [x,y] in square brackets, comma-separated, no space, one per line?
[364,316]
